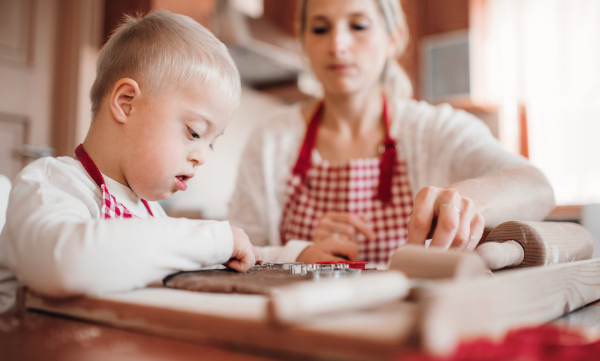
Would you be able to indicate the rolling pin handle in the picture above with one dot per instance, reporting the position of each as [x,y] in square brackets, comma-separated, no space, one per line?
[500,255]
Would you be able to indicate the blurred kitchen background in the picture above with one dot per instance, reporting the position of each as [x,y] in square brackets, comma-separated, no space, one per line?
[529,68]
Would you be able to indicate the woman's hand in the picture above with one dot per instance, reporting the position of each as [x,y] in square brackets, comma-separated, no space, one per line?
[458,223]
[330,249]
[342,225]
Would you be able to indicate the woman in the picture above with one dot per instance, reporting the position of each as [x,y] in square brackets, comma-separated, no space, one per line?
[367,169]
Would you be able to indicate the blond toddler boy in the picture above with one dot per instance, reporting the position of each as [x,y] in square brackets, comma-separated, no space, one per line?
[165,89]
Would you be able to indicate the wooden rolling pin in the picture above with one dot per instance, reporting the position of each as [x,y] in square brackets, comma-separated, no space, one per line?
[511,244]
[526,244]
[435,263]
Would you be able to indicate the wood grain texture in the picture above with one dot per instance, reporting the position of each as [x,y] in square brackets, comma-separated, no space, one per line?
[29,336]
[546,243]
[296,302]
[376,334]
[515,298]
[436,263]
[498,255]
[444,312]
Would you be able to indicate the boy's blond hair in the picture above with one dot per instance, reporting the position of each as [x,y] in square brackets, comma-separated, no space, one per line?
[164,52]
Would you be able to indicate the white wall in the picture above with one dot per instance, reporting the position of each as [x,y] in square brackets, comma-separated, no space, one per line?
[27,89]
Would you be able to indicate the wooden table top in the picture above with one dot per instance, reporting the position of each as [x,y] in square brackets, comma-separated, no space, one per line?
[37,336]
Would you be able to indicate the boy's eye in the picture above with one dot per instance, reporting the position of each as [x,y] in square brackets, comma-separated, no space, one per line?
[193,134]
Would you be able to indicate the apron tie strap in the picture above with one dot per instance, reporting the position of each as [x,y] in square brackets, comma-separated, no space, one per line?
[89,165]
[304,158]
[92,169]
[388,160]
[386,165]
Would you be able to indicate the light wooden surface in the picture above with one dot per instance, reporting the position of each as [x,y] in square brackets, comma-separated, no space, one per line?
[544,243]
[418,262]
[373,334]
[33,336]
[514,298]
[36,336]
[298,301]
[440,314]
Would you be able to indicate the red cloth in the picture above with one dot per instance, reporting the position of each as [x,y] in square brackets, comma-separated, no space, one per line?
[111,208]
[377,189]
[545,343]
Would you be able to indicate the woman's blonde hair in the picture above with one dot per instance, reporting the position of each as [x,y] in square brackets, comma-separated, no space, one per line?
[396,82]
[164,52]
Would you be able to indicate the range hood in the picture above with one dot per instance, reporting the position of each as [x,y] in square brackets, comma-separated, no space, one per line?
[261,63]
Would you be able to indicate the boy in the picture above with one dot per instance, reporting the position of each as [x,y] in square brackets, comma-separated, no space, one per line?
[165,89]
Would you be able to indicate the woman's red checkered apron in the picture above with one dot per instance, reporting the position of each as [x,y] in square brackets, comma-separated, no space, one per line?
[110,207]
[377,189]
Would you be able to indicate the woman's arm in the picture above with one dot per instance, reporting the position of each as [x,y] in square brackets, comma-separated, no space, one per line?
[479,182]
[515,192]
[460,211]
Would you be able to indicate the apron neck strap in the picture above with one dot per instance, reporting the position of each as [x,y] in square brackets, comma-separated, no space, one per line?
[387,162]
[94,172]
[89,165]
[386,165]
[304,158]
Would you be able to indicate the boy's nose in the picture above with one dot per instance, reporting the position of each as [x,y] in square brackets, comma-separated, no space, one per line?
[197,157]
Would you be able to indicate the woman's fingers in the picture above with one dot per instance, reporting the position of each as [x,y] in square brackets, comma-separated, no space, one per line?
[420,222]
[321,234]
[356,221]
[341,248]
[447,227]
[331,249]
[477,228]
[342,225]
[458,223]
[327,226]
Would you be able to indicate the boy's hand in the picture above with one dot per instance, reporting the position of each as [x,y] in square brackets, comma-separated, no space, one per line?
[330,249]
[244,254]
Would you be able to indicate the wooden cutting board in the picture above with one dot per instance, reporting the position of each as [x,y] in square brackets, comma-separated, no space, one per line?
[377,334]
[441,314]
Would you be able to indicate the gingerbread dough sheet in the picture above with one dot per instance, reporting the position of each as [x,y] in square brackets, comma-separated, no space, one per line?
[255,281]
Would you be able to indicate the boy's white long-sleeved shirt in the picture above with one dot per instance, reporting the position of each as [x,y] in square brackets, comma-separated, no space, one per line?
[56,242]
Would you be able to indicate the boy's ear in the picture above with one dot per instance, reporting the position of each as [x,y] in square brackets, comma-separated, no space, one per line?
[123,95]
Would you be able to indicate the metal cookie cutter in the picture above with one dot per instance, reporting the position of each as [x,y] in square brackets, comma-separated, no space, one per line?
[338,273]
[298,269]
[284,266]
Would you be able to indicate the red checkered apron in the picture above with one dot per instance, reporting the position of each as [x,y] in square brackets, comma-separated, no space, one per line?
[377,189]
[110,207]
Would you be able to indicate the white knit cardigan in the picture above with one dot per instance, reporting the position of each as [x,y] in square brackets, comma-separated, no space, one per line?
[440,145]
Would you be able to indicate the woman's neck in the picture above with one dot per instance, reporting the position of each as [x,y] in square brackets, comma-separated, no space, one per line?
[355,113]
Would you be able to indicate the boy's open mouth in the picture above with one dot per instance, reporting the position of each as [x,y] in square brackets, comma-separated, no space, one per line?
[181,179]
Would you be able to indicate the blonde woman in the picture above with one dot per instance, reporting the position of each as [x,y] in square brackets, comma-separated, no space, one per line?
[366,169]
